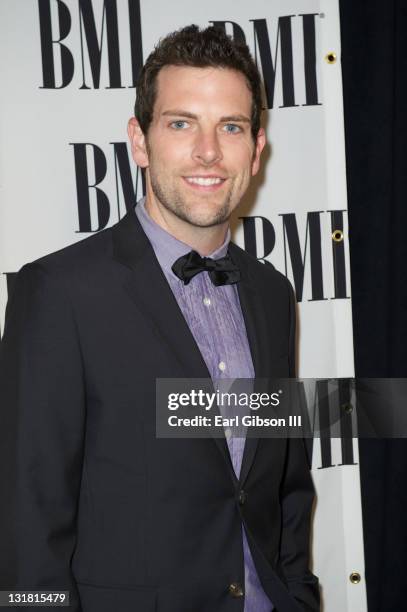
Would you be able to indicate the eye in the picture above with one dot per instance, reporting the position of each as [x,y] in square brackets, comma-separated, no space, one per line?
[179,125]
[231,128]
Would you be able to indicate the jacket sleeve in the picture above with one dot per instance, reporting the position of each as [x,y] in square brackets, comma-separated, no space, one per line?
[297,496]
[42,418]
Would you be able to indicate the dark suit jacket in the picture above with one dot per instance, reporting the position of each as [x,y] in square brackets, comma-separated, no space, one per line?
[92,501]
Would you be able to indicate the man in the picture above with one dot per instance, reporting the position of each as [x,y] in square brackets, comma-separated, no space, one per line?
[96,503]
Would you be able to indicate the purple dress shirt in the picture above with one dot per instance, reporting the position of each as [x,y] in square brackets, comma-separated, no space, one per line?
[215,319]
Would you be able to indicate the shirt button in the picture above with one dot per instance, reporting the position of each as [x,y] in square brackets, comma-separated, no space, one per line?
[207,301]
[222,366]
[235,590]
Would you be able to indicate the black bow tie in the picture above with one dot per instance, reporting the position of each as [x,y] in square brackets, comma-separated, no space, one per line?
[221,271]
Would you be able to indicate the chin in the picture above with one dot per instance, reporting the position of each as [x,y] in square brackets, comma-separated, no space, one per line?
[207,216]
[207,220]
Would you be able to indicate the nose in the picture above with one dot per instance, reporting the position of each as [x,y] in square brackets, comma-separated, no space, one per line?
[207,149]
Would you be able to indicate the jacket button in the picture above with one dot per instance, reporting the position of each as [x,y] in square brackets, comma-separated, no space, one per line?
[242,497]
[236,590]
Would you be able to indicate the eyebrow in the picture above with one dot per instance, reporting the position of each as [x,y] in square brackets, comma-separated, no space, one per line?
[183,113]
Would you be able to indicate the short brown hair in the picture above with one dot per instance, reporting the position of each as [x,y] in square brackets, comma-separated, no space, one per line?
[197,48]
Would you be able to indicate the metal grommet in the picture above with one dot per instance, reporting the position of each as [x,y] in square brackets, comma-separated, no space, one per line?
[348,408]
[330,57]
[355,578]
[337,235]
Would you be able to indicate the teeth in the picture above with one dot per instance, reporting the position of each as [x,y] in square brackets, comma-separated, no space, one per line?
[198,180]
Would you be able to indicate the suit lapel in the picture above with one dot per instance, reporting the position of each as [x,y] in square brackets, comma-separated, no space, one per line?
[148,287]
[254,315]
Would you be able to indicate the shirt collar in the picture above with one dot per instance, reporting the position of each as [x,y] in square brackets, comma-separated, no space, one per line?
[167,248]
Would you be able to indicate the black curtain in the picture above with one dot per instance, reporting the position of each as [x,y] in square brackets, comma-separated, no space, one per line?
[374,68]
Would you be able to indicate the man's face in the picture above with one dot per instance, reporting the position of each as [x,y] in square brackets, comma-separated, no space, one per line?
[199,150]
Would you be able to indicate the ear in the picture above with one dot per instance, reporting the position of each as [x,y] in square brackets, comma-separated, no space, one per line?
[137,142]
[260,143]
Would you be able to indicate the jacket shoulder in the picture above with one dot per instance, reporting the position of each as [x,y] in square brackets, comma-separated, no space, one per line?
[78,256]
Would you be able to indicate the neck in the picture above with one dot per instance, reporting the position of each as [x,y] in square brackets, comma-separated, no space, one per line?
[204,240]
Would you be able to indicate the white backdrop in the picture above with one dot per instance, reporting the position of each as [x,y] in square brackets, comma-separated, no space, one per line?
[65,171]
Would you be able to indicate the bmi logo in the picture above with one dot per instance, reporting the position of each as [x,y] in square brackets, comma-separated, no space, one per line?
[56,19]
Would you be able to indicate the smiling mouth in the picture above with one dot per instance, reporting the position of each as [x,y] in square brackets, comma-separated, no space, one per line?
[205,182]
